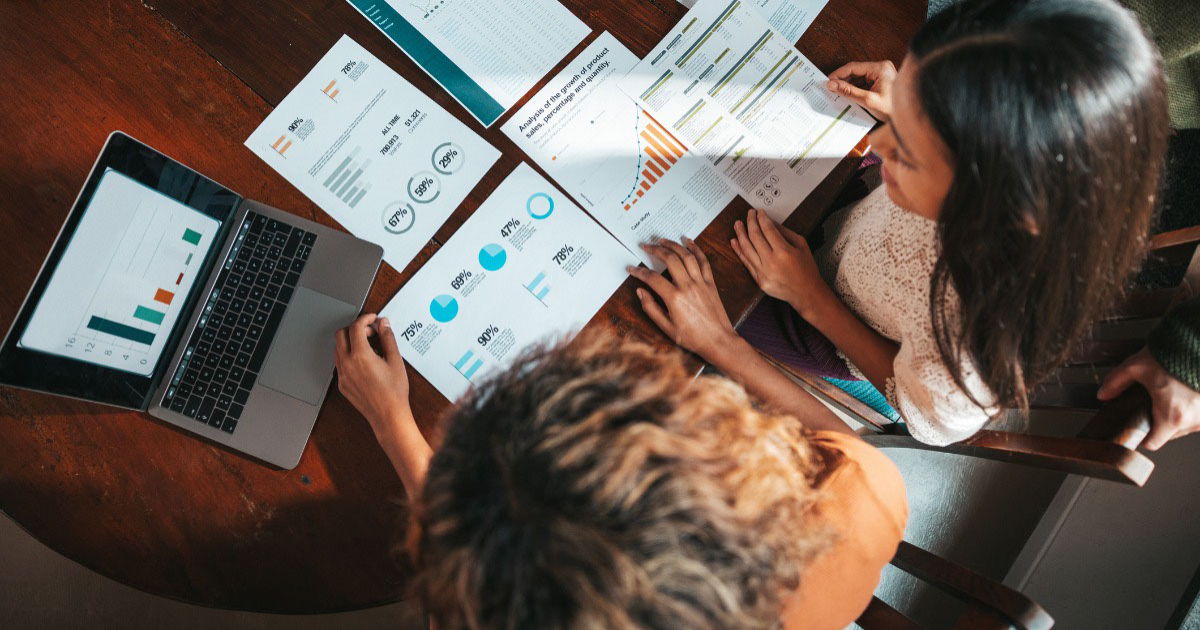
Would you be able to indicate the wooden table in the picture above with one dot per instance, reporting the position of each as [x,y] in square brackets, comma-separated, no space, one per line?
[149,505]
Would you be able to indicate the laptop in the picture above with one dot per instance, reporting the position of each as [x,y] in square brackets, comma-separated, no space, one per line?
[165,292]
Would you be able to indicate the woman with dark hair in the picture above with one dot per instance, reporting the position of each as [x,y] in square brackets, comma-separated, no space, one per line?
[1022,152]
[599,485]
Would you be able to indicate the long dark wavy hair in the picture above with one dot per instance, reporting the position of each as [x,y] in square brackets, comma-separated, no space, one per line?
[1055,113]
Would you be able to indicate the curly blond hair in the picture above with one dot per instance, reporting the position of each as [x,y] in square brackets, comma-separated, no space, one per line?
[597,485]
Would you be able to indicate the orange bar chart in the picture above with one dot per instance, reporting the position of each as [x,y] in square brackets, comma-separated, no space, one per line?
[331,91]
[660,151]
[280,147]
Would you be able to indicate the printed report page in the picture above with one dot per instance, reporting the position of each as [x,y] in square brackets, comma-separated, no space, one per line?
[736,91]
[487,54]
[528,267]
[624,167]
[373,151]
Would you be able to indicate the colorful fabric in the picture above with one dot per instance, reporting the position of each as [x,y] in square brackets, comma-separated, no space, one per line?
[777,330]
[866,393]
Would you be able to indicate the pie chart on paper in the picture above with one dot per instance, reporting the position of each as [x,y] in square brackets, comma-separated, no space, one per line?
[443,308]
[492,257]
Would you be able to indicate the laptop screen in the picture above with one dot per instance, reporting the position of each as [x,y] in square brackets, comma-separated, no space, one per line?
[105,314]
[121,284]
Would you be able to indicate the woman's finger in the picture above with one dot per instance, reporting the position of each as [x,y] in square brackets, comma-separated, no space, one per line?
[656,313]
[1160,433]
[866,69]
[737,249]
[341,345]
[771,231]
[748,250]
[701,259]
[1118,381]
[679,273]
[359,332]
[794,239]
[387,339]
[856,94]
[654,280]
[689,259]
[755,232]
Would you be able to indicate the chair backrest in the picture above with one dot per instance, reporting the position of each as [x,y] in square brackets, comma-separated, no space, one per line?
[989,605]
[1106,448]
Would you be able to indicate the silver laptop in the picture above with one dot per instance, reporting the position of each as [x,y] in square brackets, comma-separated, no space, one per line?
[168,293]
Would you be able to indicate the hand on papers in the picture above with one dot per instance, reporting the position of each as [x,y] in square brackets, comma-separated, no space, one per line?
[694,317]
[376,385]
[867,83]
[1175,406]
[780,261]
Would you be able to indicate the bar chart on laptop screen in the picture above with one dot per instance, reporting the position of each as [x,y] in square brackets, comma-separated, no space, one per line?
[119,288]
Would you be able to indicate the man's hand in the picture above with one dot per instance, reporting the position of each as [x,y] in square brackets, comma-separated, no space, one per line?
[376,385]
[1175,406]
[780,262]
[694,317]
[867,83]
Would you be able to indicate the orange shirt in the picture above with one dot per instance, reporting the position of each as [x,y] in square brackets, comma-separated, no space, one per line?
[864,503]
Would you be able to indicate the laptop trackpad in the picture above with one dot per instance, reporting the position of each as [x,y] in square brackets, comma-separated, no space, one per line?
[301,359]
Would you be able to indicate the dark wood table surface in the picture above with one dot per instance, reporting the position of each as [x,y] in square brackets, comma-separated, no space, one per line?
[149,505]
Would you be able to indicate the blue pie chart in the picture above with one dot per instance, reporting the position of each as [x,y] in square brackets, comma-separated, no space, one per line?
[492,257]
[443,308]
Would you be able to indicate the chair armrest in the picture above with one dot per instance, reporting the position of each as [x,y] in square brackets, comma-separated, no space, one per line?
[1175,238]
[1093,458]
[971,587]
[1124,420]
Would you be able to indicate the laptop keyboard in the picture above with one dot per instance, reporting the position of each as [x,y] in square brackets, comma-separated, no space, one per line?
[226,351]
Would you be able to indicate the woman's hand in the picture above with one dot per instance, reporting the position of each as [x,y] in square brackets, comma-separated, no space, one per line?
[780,262]
[694,317]
[1175,406]
[867,83]
[376,385]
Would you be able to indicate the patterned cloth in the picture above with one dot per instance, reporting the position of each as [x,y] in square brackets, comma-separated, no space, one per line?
[779,332]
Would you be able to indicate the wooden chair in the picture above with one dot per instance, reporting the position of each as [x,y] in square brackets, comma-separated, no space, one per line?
[1106,448]
[989,604]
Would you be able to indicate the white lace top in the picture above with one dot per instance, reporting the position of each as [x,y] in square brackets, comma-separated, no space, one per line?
[879,258]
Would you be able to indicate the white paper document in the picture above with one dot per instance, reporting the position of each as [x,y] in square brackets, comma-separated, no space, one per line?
[790,17]
[528,267]
[734,90]
[486,53]
[621,165]
[374,152]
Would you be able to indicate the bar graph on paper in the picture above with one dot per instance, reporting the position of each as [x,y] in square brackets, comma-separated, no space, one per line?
[346,181]
[468,364]
[658,151]
[539,288]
